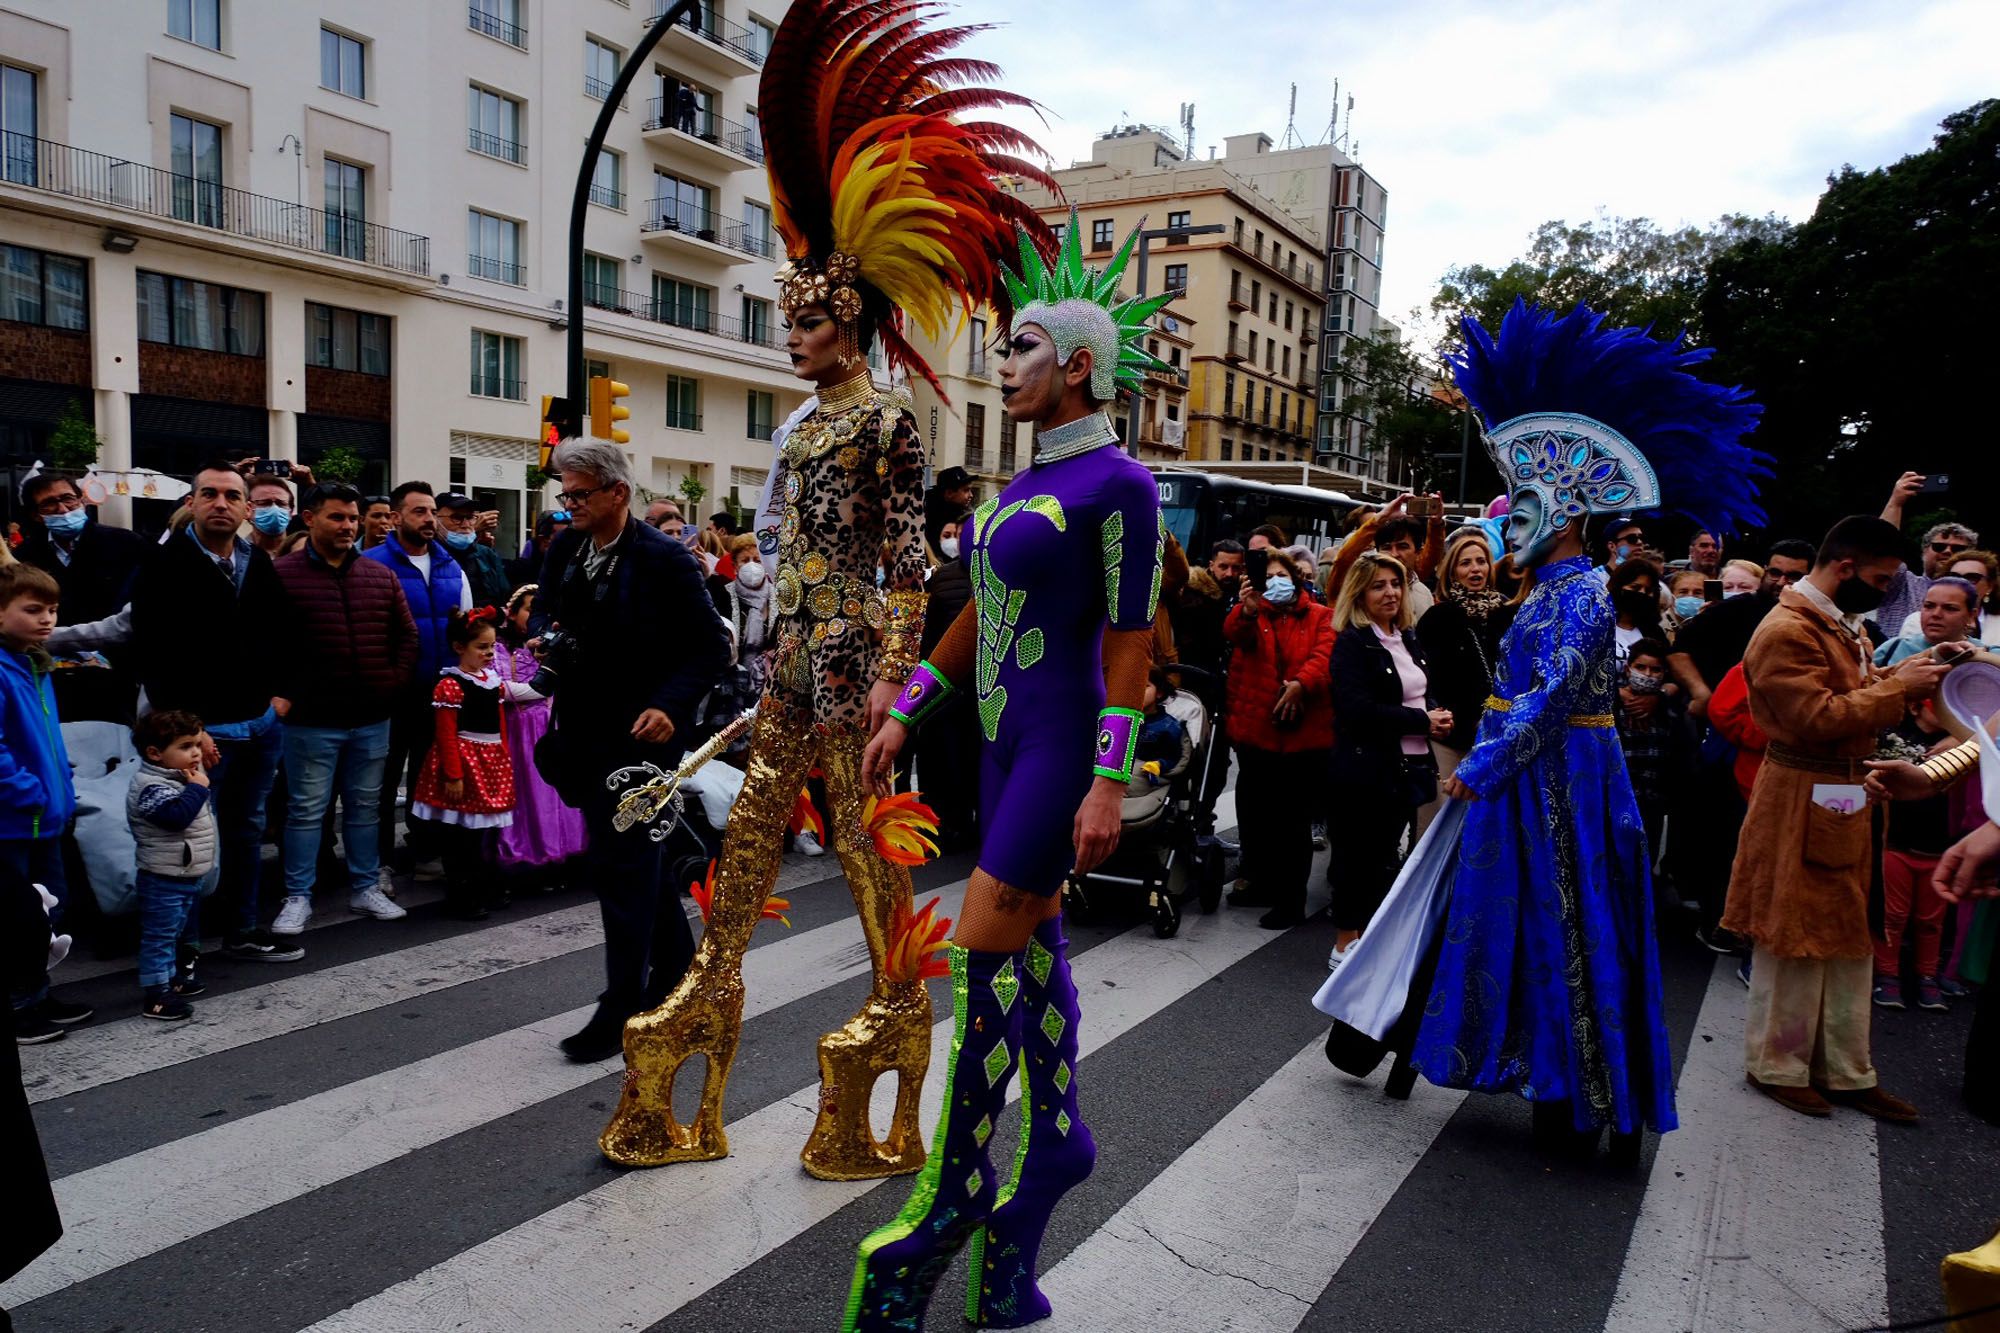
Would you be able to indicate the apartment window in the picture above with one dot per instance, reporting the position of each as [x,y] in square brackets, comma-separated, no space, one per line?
[494,123]
[757,321]
[1267,404]
[19,123]
[757,228]
[1291,309]
[1309,273]
[607,179]
[197,159]
[975,436]
[1177,277]
[1228,450]
[353,340]
[1057,229]
[603,284]
[1228,390]
[200,315]
[1174,356]
[1273,316]
[197,21]
[45,289]
[760,38]
[682,304]
[600,68]
[1284,408]
[342,63]
[496,367]
[683,403]
[763,414]
[1179,221]
[1270,355]
[1264,454]
[1101,234]
[346,209]
[493,248]
[1257,248]
[680,205]
[977,364]
[753,134]
[1288,363]
[497,18]
[1253,344]
[1010,435]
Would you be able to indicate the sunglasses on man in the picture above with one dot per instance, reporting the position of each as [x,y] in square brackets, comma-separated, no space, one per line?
[1948,548]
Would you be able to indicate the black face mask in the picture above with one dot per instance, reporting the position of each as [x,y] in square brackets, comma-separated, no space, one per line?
[1857,598]
[1638,605]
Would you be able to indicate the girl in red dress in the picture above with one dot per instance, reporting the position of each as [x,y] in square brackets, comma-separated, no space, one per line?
[467,785]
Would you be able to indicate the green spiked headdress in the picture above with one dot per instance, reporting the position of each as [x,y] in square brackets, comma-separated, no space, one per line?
[1080,308]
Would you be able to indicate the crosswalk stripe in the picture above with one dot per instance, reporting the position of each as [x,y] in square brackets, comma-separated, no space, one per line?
[106,1052]
[1754,1216]
[138,1205]
[596,1261]
[1246,1228]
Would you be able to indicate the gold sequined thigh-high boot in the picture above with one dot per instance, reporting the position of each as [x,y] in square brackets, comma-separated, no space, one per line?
[704,1014]
[892,1033]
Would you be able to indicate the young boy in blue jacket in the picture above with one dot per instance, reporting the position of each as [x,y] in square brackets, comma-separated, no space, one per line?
[37,799]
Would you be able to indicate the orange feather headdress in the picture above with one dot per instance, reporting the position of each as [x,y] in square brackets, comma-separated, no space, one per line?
[890,206]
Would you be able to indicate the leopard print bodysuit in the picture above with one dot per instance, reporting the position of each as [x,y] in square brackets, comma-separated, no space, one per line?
[853,486]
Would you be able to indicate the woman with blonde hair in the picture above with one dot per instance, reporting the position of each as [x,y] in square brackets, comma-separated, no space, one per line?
[1461,638]
[1383,769]
[1741,578]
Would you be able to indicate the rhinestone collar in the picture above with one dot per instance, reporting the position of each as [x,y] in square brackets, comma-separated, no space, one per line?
[1089,432]
[850,394]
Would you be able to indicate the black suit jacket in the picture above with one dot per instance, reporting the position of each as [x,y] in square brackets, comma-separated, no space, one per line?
[1369,719]
[97,581]
[648,637]
[199,642]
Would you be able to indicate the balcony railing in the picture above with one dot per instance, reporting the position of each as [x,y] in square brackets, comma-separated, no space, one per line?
[762,430]
[743,140]
[704,225]
[607,196]
[487,386]
[681,315]
[683,420]
[598,89]
[492,145]
[712,27]
[496,270]
[76,173]
[479,20]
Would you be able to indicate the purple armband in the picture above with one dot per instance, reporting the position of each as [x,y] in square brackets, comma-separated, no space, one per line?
[1117,743]
[923,694]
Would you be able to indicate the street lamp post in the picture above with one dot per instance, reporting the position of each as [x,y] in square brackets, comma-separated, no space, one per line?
[1146,239]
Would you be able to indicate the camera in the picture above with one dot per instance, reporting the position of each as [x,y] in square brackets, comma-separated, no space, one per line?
[559,650]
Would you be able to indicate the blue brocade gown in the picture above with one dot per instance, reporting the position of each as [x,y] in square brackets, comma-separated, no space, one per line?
[1548,978]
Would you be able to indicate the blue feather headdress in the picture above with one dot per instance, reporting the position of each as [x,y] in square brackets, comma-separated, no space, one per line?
[1550,385]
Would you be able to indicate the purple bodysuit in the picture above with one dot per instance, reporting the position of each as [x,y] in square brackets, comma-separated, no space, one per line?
[1070,548]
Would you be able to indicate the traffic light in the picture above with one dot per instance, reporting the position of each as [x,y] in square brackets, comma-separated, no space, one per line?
[554,413]
[606,411]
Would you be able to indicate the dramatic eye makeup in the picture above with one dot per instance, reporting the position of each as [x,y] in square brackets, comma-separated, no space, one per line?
[1023,343]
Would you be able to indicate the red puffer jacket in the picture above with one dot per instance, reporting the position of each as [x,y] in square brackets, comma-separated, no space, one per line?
[349,641]
[1271,648]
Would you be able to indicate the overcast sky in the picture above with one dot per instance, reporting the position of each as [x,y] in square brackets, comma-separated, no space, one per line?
[1484,119]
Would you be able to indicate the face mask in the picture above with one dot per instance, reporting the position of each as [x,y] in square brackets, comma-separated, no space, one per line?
[948,548]
[272,522]
[1857,598]
[1687,608]
[1636,604]
[1740,592]
[65,525]
[1643,682]
[457,541]
[751,575]
[1280,592]
[1624,552]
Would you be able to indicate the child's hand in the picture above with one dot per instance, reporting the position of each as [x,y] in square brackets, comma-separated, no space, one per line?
[198,776]
[454,789]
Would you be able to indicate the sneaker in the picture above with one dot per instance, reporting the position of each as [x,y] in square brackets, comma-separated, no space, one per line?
[1889,993]
[64,1014]
[1930,997]
[1743,971]
[292,917]
[807,845]
[1319,836]
[257,946]
[372,903]
[185,984]
[1717,940]
[31,1029]
[1338,956]
[163,1004]
[1953,990]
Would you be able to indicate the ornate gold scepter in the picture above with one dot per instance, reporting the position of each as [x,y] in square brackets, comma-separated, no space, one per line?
[657,791]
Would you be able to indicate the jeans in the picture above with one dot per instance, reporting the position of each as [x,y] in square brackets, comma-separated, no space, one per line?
[40,860]
[169,912]
[647,943]
[241,788]
[315,758]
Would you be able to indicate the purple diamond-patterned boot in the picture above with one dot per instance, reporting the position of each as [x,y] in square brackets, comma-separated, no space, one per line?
[1056,1150]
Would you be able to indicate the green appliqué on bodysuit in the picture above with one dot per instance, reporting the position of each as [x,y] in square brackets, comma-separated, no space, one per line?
[1000,607]
[1159,568]
[1113,537]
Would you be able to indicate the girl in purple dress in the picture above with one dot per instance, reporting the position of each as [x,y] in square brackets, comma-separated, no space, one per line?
[1055,647]
[545,832]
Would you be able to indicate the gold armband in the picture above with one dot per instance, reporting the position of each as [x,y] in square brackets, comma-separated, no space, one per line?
[902,635]
[1945,769]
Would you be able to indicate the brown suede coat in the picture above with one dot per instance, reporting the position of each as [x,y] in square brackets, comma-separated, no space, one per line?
[1800,884]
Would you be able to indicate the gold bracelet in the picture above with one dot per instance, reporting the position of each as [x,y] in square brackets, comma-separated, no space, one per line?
[1945,769]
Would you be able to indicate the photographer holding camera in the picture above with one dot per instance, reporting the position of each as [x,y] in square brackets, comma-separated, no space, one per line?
[1942,545]
[630,643]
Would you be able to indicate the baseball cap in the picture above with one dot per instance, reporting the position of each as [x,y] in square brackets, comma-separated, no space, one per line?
[456,500]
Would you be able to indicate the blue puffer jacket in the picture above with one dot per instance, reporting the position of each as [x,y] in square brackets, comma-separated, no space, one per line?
[36,798]
[431,604]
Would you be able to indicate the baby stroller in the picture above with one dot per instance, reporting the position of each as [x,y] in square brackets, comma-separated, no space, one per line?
[1161,854]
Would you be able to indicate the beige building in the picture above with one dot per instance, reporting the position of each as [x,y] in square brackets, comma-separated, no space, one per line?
[281,230]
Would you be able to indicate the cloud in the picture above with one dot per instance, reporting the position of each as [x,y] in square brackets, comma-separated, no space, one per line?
[1483,120]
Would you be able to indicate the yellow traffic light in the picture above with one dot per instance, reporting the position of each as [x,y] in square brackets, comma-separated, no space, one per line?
[606,411]
[554,410]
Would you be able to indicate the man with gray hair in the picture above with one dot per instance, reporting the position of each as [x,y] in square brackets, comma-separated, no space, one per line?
[639,645]
[1943,544]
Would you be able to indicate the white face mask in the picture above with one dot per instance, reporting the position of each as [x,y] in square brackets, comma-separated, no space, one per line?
[751,574]
[948,547]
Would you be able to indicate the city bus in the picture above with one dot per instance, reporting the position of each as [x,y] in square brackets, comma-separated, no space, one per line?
[1202,508]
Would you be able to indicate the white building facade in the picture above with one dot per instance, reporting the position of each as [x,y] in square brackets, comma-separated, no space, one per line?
[232,226]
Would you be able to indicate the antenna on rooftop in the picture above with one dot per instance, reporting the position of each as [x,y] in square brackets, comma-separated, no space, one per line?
[1187,129]
[1332,135]
[1292,139]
